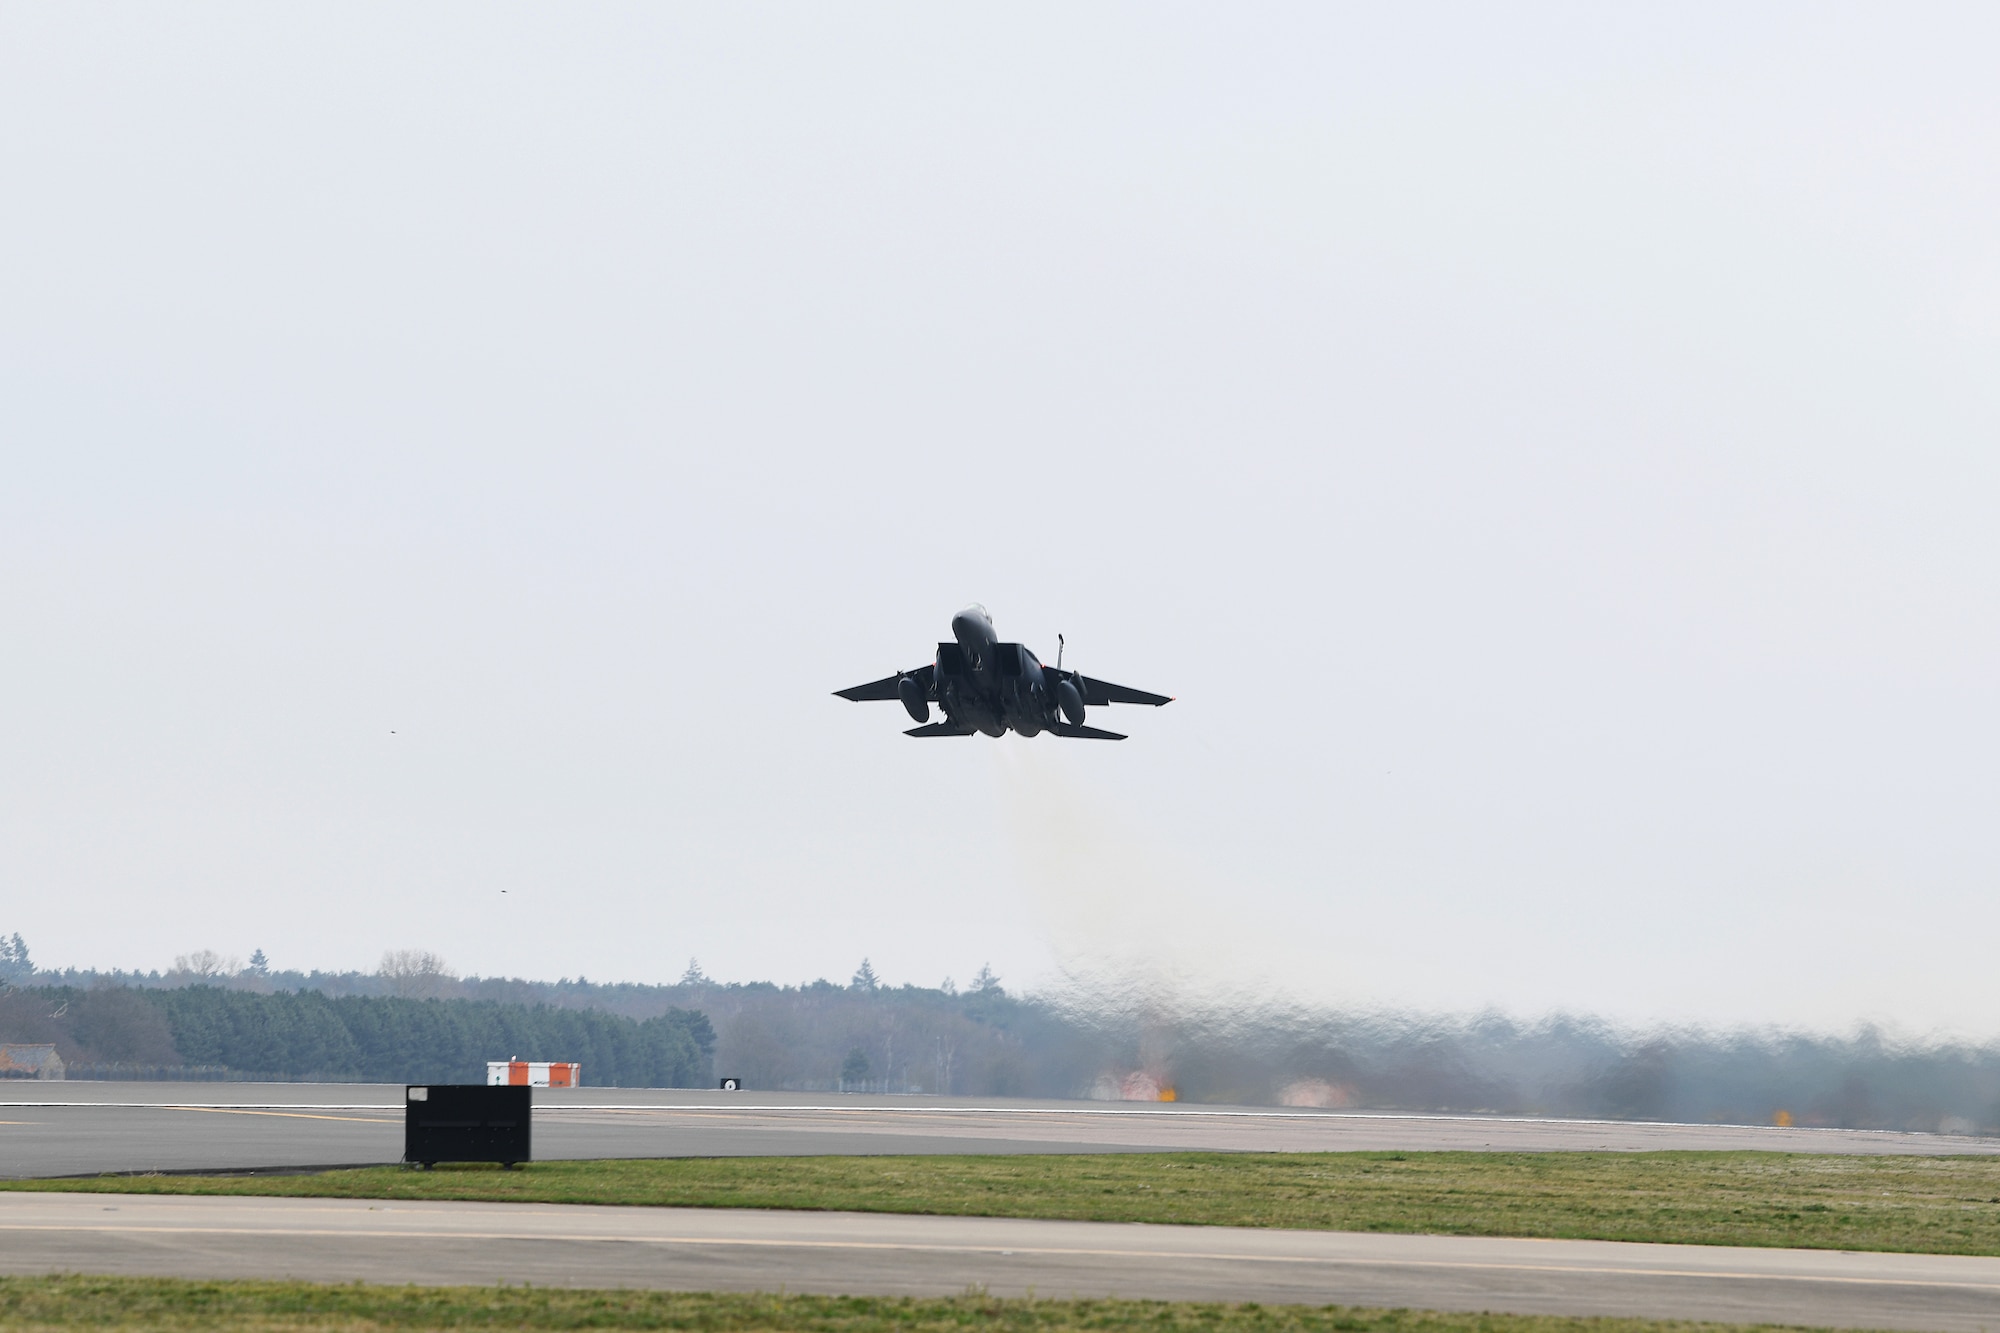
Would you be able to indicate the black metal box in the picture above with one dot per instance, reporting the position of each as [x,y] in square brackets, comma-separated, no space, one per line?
[465,1122]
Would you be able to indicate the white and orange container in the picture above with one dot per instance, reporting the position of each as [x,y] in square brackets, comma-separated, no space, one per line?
[533,1074]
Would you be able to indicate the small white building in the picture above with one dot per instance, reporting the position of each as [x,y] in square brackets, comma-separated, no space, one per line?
[27,1060]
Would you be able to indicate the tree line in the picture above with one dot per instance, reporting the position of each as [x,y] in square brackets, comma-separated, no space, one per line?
[304,1034]
[1119,1040]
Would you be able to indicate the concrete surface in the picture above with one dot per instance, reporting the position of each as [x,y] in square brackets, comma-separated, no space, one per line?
[699,1249]
[56,1129]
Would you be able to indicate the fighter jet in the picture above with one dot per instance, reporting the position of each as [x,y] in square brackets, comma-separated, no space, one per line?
[988,686]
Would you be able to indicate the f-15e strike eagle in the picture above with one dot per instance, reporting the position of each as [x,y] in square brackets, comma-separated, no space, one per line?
[988,686]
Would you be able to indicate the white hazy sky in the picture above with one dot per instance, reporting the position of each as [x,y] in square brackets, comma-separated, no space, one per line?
[1549,450]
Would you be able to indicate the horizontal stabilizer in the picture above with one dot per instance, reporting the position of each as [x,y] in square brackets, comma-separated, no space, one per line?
[1083,733]
[938,729]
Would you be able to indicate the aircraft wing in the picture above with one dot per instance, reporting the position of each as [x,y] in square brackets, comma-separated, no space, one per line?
[884,690]
[1097,692]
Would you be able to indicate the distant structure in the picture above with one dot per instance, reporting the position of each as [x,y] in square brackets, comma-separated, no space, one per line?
[533,1074]
[23,1060]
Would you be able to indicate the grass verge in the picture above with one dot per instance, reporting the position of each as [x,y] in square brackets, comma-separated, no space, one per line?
[1935,1205]
[38,1303]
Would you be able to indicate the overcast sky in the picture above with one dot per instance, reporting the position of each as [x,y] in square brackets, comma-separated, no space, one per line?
[452,451]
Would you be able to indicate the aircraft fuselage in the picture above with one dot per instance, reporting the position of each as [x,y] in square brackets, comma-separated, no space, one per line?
[989,686]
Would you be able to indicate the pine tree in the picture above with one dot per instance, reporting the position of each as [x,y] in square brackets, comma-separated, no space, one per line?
[694,975]
[985,981]
[260,966]
[865,978]
[854,1069]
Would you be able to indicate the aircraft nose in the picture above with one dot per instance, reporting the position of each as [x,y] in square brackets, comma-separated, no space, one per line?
[973,630]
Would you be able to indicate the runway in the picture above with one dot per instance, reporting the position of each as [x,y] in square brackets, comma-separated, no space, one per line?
[62,1129]
[700,1249]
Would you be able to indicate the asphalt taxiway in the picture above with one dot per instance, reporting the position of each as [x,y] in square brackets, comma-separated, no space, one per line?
[79,1128]
[339,1240]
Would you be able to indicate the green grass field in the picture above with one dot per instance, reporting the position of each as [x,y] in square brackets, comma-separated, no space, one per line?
[37,1303]
[1940,1205]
